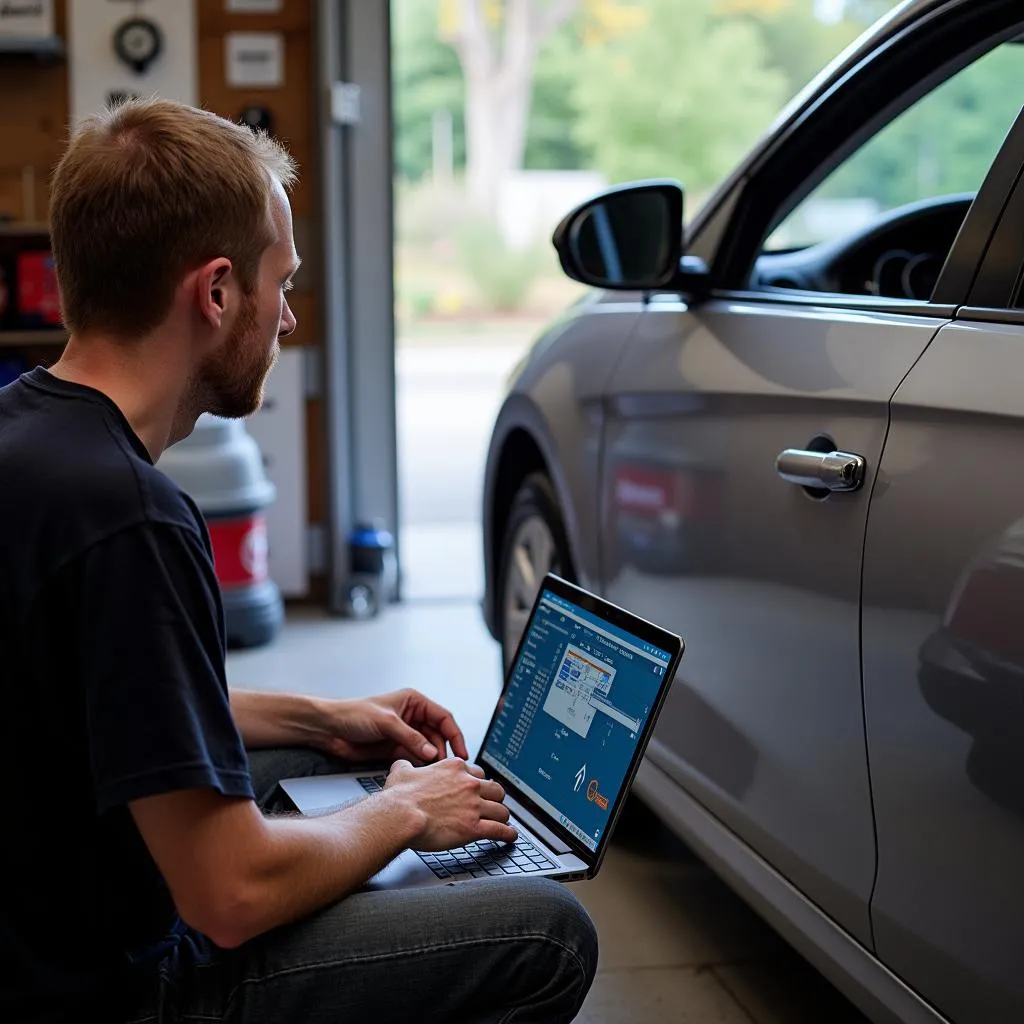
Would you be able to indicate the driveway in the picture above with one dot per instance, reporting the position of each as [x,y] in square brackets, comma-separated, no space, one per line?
[447,398]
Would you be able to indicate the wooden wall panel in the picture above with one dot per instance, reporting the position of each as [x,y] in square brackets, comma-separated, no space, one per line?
[295,16]
[305,306]
[33,133]
[33,126]
[317,455]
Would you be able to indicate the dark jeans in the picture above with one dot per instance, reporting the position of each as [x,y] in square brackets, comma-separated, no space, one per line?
[494,950]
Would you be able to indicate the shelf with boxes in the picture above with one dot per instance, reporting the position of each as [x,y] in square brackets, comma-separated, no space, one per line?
[30,326]
[29,301]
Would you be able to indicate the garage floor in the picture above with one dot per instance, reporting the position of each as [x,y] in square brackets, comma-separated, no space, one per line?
[677,947]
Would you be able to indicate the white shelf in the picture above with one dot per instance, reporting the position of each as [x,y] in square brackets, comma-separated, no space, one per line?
[32,46]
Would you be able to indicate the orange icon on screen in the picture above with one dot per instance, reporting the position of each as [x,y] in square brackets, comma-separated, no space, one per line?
[592,789]
[596,797]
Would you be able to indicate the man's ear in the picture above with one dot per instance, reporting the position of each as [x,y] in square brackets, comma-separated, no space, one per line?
[215,287]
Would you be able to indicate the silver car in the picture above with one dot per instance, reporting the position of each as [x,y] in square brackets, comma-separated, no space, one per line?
[794,433]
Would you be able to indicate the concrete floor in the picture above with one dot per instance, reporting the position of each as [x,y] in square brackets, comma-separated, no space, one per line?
[677,947]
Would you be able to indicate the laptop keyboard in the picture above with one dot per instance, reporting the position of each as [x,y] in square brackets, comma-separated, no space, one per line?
[480,859]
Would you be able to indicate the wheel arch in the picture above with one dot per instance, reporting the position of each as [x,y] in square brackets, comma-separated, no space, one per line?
[517,451]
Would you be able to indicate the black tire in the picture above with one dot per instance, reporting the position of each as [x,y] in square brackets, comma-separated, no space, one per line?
[534,500]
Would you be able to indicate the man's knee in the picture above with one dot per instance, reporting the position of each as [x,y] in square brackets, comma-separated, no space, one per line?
[569,919]
[557,917]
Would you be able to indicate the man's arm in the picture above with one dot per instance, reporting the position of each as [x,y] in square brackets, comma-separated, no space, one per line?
[268,871]
[235,874]
[404,724]
[278,719]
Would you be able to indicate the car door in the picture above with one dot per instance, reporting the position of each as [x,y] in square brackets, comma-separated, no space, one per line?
[944,654]
[714,411]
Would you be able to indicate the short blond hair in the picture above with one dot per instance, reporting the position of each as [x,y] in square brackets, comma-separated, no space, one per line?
[148,190]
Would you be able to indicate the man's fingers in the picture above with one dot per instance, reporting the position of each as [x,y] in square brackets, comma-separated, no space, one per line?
[408,737]
[492,791]
[442,720]
[438,741]
[492,811]
[475,769]
[497,831]
[454,736]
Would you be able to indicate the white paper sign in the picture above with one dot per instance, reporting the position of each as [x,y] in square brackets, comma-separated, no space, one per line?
[26,18]
[253,6]
[96,74]
[254,59]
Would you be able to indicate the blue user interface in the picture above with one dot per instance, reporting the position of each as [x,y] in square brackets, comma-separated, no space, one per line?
[572,714]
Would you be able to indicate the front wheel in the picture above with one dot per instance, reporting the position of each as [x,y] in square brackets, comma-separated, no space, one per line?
[534,544]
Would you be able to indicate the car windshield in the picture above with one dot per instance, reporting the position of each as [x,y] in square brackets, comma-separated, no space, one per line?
[944,144]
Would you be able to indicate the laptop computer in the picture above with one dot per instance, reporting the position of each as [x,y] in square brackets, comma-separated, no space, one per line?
[574,718]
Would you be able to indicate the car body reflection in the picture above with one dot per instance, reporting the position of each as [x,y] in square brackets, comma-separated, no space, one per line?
[972,668]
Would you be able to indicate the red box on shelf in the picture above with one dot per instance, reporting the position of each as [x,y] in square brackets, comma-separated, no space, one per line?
[38,297]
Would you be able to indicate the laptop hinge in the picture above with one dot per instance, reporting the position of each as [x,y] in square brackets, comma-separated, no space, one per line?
[529,819]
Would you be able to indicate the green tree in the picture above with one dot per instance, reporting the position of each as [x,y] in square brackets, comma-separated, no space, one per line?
[945,143]
[551,144]
[426,79]
[497,42]
[800,44]
[684,94]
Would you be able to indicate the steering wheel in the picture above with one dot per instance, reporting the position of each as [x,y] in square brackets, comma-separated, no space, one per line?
[899,255]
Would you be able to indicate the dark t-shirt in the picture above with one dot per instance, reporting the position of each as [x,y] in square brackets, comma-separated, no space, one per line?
[112,688]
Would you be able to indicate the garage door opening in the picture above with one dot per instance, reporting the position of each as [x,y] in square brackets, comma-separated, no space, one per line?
[475,283]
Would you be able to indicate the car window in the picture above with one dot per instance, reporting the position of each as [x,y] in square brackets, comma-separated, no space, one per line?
[942,146]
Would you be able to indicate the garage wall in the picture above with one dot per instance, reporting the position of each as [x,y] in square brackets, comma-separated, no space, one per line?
[32,126]
[294,121]
[33,130]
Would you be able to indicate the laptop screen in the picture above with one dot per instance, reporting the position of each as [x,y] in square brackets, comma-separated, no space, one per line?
[573,712]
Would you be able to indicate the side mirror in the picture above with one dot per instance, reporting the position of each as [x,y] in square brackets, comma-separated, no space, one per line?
[629,238]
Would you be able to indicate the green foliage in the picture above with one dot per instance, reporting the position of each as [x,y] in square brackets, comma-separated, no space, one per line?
[945,143]
[684,95]
[427,214]
[503,276]
[550,143]
[427,79]
[867,12]
[799,44]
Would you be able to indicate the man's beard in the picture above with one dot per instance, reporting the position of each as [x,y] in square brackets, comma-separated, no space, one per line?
[230,381]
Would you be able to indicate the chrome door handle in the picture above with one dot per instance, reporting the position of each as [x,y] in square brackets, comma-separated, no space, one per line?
[831,471]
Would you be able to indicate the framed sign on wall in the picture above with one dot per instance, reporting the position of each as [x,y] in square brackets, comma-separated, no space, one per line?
[118,50]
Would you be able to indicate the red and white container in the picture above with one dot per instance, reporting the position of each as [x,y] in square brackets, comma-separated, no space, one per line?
[220,466]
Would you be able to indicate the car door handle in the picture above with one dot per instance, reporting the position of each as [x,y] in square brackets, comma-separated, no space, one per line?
[831,471]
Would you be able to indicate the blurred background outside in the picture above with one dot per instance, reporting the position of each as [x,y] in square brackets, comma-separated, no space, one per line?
[508,113]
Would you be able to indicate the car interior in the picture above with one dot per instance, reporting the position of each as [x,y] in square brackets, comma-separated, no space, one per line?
[899,250]
[900,255]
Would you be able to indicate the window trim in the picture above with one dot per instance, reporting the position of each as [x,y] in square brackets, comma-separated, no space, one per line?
[1000,276]
[989,315]
[837,300]
[832,115]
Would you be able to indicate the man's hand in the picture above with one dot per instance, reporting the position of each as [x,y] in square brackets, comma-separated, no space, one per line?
[402,725]
[458,804]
